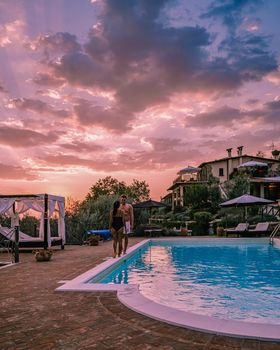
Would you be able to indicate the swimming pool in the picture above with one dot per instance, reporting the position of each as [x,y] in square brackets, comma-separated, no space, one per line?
[232,280]
[226,286]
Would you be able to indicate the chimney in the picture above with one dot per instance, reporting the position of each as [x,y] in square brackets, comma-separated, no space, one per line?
[229,152]
[239,151]
[275,153]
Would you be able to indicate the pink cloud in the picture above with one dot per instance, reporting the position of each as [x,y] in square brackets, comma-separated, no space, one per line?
[116,120]
[80,147]
[61,42]
[16,137]
[2,89]
[45,79]
[38,106]
[9,172]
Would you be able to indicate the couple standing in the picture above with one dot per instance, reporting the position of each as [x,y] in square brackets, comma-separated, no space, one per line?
[121,224]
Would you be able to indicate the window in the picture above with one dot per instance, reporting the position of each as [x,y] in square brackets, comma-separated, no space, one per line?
[221,171]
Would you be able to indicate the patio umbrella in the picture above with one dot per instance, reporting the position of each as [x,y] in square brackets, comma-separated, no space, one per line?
[150,204]
[252,164]
[245,201]
[188,170]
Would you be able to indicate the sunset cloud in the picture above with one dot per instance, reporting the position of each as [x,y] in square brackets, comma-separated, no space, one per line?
[229,116]
[135,59]
[231,13]
[274,77]
[113,119]
[56,43]
[10,32]
[16,137]
[45,79]
[134,88]
[2,89]
[82,146]
[11,172]
[38,106]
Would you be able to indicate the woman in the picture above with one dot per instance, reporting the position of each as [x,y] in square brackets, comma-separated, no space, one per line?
[116,225]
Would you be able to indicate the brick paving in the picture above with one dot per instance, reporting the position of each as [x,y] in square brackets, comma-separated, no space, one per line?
[34,316]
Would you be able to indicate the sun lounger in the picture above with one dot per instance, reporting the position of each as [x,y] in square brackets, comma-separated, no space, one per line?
[261,228]
[26,241]
[240,229]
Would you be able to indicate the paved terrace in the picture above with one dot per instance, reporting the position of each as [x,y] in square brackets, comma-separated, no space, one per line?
[34,316]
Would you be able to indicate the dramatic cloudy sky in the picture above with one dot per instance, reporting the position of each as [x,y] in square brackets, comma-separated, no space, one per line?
[132,88]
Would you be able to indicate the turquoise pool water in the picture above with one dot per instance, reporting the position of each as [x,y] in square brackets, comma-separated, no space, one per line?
[230,279]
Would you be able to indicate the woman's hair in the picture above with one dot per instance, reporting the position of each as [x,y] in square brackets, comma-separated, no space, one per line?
[116,207]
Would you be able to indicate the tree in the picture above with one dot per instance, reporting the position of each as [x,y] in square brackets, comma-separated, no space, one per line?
[109,186]
[214,195]
[238,185]
[196,196]
[72,205]
[94,213]
[138,191]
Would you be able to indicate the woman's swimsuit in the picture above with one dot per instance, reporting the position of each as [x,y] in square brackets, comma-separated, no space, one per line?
[117,223]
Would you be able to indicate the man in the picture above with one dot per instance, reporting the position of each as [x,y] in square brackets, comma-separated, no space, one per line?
[127,210]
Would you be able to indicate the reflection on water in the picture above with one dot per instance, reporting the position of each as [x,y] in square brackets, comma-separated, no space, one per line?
[229,281]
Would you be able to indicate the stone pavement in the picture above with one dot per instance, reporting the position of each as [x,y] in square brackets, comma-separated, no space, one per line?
[33,316]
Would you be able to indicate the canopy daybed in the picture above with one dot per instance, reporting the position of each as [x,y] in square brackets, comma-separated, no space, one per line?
[13,205]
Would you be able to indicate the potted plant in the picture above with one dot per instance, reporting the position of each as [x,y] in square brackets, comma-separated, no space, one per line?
[43,254]
[220,231]
[93,240]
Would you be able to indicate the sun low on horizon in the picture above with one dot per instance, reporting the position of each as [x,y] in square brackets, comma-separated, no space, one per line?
[133,89]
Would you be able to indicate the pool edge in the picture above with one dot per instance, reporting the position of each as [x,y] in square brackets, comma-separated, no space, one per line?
[130,296]
[137,302]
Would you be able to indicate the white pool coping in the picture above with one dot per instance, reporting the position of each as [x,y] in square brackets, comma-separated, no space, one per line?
[276,242]
[131,297]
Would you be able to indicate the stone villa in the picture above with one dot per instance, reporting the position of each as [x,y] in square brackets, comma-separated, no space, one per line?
[264,181]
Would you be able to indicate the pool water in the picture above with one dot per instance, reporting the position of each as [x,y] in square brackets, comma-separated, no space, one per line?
[229,279]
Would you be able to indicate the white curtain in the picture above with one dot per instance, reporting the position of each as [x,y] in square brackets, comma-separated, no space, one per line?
[52,204]
[26,204]
[35,204]
[6,204]
[61,221]
[21,207]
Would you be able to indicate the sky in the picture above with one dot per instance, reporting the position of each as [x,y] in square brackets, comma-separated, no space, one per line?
[134,89]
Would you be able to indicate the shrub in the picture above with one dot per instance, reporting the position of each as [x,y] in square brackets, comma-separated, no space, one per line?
[261,218]
[214,197]
[141,217]
[140,229]
[5,221]
[91,214]
[196,195]
[201,226]
[232,220]
[238,185]
[172,224]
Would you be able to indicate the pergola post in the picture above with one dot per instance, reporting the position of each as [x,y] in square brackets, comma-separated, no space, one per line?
[16,251]
[46,221]
[16,228]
